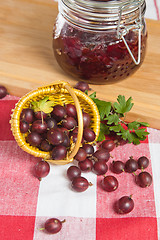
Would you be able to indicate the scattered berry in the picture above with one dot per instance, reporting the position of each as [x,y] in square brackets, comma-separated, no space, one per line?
[117,167]
[73,172]
[143,162]
[102,155]
[100,168]
[125,205]
[89,149]
[108,145]
[131,165]
[3,91]
[86,165]
[109,183]
[80,184]
[53,225]
[144,179]
[81,155]
[42,169]
[81,85]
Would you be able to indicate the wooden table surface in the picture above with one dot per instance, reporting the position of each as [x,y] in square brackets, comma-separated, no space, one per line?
[27,60]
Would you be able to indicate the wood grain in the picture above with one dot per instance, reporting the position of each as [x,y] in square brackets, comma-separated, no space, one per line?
[27,60]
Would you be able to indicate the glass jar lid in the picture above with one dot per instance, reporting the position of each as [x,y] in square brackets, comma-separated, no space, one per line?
[110,6]
[101,15]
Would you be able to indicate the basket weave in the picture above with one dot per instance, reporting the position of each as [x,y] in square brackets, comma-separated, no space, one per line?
[62,93]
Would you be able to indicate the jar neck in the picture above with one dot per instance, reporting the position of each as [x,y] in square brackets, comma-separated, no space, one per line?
[99,15]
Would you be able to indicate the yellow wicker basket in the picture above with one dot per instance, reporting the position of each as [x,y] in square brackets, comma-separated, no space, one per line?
[62,93]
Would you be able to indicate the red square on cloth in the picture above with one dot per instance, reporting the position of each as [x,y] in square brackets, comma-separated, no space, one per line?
[16,227]
[6,107]
[126,228]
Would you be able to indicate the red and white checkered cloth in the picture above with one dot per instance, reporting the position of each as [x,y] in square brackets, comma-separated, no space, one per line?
[26,203]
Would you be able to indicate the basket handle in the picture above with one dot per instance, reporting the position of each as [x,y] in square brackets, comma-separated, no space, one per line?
[80,123]
[80,120]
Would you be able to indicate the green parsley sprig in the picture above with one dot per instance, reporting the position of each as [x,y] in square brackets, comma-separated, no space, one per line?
[114,115]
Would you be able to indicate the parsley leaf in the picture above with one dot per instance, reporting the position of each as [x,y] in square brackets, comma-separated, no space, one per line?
[103,131]
[126,135]
[136,141]
[93,95]
[133,125]
[112,119]
[117,128]
[144,124]
[141,133]
[123,106]
[103,107]
[86,92]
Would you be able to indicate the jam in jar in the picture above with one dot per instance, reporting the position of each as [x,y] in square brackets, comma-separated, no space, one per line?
[100,41]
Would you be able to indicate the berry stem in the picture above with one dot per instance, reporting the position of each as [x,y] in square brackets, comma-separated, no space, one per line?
[42,117]
[90,184]
[134,174]
[63,221]
[41,229]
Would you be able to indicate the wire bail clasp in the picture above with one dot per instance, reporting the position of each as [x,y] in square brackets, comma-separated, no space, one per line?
[121,33]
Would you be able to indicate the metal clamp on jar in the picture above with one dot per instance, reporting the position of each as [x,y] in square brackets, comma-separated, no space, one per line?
[100,42]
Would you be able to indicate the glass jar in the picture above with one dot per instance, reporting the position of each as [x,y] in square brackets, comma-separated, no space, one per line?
[100,41]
